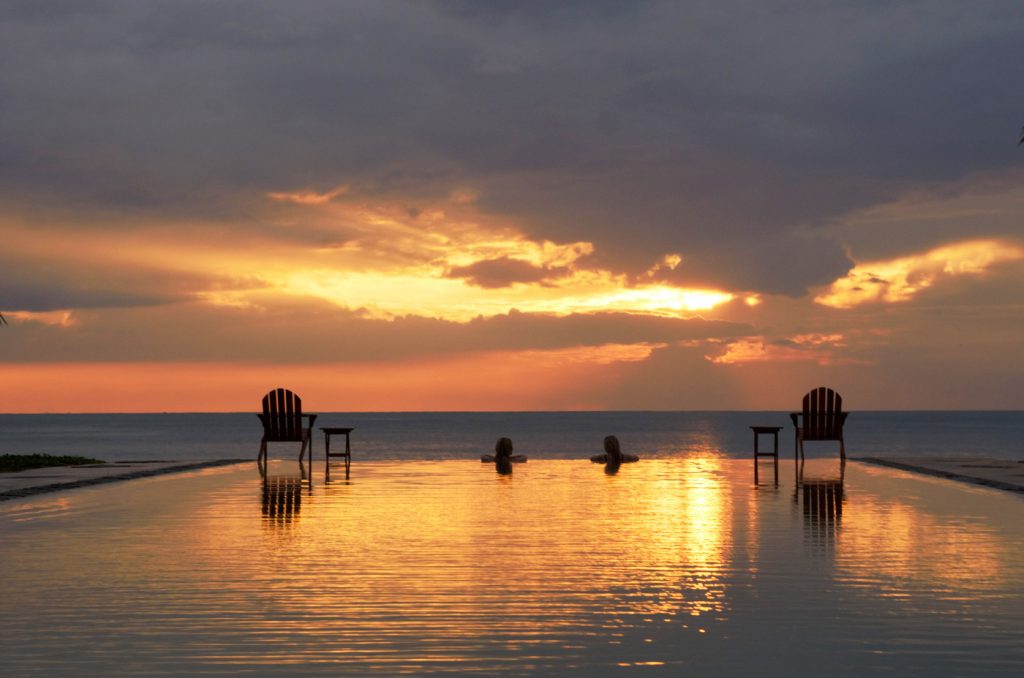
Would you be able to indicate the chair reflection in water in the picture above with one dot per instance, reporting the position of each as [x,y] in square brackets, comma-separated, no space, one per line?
[282,493]
[822,502]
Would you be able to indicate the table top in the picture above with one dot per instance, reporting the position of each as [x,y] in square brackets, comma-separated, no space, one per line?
[765,429]
[336,429]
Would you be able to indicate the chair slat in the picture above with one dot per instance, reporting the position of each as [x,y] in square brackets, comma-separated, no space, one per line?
[283,422]
[822,415]
[837,425]
[282,416]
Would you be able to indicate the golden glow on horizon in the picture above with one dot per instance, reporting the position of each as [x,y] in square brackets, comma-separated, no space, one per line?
[898,280]
[558,379]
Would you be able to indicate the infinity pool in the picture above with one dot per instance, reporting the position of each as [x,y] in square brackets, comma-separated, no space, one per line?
[669,566]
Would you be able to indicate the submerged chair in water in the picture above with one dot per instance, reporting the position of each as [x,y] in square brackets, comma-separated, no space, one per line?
[282,422]
[822,419]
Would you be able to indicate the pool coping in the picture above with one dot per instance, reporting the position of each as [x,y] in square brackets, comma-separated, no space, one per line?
[983,471]
[72,477]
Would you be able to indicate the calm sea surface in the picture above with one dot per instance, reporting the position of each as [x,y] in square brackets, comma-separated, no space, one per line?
[548,435]
[673,566]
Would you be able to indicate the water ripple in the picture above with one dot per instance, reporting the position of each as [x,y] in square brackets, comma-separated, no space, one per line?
[558,568]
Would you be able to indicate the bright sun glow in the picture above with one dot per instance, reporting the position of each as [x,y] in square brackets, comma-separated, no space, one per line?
[388,295]
[384,259]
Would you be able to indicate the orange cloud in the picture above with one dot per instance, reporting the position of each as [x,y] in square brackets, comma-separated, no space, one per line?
[898,280]
[444,259]
[813,347]
[669,261]
[308,197]
[58,318]
[448,260]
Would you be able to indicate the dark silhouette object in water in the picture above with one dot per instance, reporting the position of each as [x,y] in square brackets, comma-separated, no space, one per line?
[613,455]
[3,320]
[282,423]
[772,431]
[282,497]
[822,502]
[282,492]
[329,431]
[503,453]
[823,419]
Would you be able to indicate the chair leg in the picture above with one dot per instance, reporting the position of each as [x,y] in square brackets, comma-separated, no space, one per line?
[842,450]
[263,451]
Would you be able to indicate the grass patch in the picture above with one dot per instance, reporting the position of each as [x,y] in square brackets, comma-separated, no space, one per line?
[22,462]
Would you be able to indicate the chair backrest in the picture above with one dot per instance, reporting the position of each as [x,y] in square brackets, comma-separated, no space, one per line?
[282,416]
[823,415]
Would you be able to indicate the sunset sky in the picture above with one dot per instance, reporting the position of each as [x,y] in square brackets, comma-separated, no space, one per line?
[495,205]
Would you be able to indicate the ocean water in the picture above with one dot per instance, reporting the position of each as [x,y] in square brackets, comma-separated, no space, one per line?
[546,435]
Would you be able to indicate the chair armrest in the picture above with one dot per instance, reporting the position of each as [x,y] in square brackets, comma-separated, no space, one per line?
[263,420]
[795,416]
[842,418]
[312,418]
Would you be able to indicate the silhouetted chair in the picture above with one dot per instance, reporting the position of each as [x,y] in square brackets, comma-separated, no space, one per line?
[822,419]
[282,422]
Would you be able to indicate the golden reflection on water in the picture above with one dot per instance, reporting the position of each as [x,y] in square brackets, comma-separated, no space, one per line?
[411,567]
[895,540]
[547,546]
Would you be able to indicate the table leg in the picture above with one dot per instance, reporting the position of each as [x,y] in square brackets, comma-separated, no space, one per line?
[776,458]
[756,464]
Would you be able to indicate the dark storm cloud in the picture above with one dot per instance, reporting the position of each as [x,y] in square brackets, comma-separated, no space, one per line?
[719,130]
[503,272]
[37,284]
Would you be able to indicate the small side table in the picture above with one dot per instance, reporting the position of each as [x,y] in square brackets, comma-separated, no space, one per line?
[347,454]
[774,432]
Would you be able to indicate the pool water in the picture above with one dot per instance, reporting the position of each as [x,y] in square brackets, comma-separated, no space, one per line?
[669,566]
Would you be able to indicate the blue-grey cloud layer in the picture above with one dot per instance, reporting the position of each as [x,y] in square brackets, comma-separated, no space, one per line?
[731,132]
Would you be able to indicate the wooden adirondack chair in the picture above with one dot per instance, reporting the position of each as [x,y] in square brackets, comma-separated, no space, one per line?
[282,422]
[823,419]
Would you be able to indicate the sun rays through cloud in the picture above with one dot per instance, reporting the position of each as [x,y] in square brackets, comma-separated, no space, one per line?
[441,259]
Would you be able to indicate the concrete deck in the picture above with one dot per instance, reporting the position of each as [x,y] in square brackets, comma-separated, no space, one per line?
[1003,474]
[41,480]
